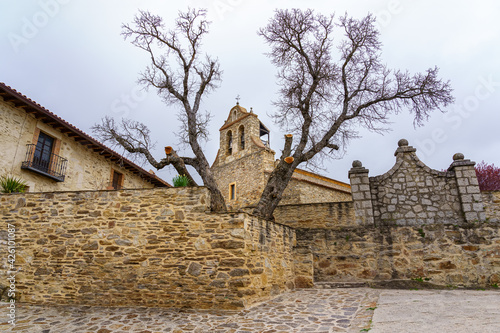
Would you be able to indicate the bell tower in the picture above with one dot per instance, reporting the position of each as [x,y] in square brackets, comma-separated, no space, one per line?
[243,159]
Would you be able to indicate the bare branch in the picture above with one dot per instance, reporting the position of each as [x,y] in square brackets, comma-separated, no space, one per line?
[134,137]
[321,98]
[182,77]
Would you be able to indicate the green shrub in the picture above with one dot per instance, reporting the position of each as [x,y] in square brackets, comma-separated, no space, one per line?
[180,181]
[11,184]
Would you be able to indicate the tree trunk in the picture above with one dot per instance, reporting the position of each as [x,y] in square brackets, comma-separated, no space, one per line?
[217,202]
[273,192]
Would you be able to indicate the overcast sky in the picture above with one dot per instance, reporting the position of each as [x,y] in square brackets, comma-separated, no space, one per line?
[69,56]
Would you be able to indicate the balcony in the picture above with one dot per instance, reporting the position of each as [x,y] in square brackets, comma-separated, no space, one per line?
[49,165]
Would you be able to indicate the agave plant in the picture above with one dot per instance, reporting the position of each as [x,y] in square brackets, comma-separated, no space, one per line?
[11,184]
[180,181]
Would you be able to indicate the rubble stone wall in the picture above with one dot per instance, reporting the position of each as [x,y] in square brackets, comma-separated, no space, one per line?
[491,201]
[446,255]
[300,190]
[316,215]
[412,194]
[156,247]
[410,223]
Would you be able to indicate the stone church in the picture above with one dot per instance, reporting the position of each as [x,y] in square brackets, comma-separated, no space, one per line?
[245,160]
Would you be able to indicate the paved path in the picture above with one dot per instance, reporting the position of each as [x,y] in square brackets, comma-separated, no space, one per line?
[312,310]
[439,311]
[316,310]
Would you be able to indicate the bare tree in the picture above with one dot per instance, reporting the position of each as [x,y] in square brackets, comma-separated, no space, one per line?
[323,100]
[181,76]
[327,90]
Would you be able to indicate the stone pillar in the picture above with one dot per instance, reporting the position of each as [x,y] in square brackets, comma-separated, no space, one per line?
[468,188]
[360,187]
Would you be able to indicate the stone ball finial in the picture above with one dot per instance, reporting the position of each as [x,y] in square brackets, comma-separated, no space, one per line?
[357,164]
[458,156]
[403,143]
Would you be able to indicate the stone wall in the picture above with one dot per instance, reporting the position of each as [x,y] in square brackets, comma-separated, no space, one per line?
[86,169]
[409,223]
[491,201]
[304,188]
[413,194]
[155,247]
[316,215]
[446,255]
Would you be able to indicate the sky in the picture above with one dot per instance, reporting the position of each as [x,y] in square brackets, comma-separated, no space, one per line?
[69,56]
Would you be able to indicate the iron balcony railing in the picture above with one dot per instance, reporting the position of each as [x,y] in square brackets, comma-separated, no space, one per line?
[50,165]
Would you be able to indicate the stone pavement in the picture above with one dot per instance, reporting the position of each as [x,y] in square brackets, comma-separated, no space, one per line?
[443,311]
[310,310]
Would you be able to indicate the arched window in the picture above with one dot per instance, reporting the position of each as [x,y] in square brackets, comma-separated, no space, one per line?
[241,134]
[229,143]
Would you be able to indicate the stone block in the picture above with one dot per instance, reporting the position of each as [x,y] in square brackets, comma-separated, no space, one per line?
[218,284]
[477,207]
[366,204]
[467,207]
[90,246]
[470,173]
[239,272]
[364,187]
[123,242]
[471,216]
[355,180]
[466,198]
[240,283]
[426,202]
[232,262]
[358,196]
[473,189]
[228,244]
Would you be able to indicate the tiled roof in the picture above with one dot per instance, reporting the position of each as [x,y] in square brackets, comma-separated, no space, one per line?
[19,100]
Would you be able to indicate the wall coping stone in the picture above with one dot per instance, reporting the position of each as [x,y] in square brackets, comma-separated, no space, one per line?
[111,191]
[460,163]
[414,158]
[357,167]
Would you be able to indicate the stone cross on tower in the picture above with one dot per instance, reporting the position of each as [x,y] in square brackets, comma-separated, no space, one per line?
[238,100]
